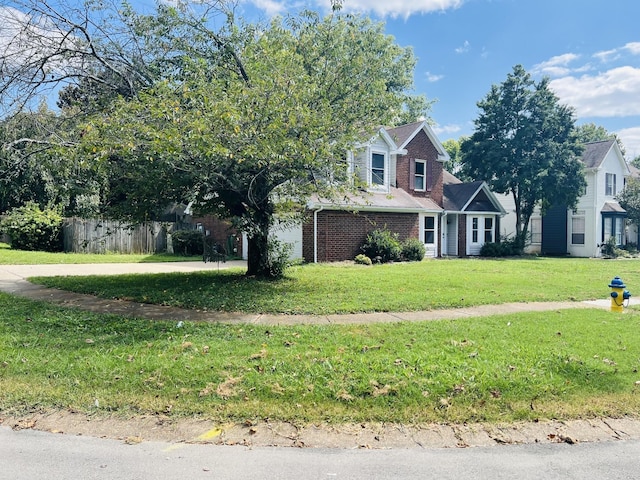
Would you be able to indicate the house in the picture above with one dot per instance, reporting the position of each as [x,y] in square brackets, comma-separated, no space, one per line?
[597,217]
[407,191]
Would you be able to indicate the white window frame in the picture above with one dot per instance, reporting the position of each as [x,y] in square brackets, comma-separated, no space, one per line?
[488,235]
[578,227]
[610,185]
[385,169]
[535,227]
[422,176]
[433,230]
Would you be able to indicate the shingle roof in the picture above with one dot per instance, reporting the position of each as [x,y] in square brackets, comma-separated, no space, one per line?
[457,195]
[595,152]
[395,199]
[612,207]
[404,132]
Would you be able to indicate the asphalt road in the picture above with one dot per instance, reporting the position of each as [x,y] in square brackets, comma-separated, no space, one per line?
[30,454]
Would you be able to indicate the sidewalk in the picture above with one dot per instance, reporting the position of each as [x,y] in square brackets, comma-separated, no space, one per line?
[13,281]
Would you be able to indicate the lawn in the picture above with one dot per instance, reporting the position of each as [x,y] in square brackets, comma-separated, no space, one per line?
[9,256]
[574,363]
[349,288]
[562,364]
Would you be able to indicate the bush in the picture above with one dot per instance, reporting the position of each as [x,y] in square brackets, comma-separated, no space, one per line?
[382,246]
[279,257]
[188,242]
[31,228]
[413,250]
[506,248]
[362,259]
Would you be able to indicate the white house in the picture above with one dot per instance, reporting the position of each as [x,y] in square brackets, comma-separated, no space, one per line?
[597,217]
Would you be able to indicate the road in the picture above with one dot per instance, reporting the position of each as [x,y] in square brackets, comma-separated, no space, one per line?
[29,454]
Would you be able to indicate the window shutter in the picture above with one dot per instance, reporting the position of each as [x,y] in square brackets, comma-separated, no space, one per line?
[412,174]
[429,175]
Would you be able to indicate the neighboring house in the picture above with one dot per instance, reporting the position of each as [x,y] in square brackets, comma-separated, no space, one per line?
[407,192]
[597,217]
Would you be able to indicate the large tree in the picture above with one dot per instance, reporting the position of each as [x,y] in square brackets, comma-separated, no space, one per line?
[524,144]
[188,104]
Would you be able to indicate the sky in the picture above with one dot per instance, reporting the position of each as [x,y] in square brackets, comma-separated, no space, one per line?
[589,49]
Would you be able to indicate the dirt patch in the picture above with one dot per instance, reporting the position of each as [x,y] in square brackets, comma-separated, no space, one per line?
[369,435]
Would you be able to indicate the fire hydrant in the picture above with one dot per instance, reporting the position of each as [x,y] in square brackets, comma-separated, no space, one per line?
[618,295]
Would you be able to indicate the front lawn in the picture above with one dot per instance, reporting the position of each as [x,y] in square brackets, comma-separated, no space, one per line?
[9,256]
[562,364]
[349,288]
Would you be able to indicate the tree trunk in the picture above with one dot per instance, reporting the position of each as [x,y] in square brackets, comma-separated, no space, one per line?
[258,263]
[258,255]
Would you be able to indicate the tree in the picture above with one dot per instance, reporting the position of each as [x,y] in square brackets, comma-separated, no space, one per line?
[252,139]
[629,199]
[455,162]
[590,132]
[246,121]
[525,145]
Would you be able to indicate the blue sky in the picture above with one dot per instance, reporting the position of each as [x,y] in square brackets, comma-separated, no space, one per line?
[590,49]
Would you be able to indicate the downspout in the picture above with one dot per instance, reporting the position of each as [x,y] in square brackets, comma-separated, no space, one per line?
[315,233]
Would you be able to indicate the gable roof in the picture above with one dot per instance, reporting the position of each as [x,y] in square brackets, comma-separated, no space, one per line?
[595,153]
[403,134]
[474,196]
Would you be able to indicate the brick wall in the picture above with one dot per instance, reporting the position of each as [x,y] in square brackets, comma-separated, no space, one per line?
[341,234]
[421,148]
[462,235]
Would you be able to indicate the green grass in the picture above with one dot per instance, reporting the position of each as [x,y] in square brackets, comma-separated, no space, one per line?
[348,288]
[562,364]
[9,256]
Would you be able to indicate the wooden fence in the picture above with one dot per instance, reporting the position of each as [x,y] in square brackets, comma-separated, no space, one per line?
[98,236]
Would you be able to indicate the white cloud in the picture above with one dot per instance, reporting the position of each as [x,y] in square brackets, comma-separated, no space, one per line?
[631,140]
[556,66]
[613,93]
[270,7]
[432,77]
[614,54]
[464,48]
[398,8]
[446,130]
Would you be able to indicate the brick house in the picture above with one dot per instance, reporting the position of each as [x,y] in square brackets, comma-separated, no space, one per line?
[407,192]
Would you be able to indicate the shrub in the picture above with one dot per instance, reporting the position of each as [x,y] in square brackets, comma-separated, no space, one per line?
[188,242]
[610,249]
[506,248]
[362,259]
[279,257]
[413,250]
[382,246]
[31,228]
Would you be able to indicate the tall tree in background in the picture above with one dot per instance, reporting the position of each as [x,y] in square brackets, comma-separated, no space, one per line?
[525,145]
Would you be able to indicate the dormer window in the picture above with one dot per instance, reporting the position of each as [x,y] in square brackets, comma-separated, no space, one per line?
[378,162]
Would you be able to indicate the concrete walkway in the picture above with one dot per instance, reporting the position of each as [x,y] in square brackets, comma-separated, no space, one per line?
[13,280]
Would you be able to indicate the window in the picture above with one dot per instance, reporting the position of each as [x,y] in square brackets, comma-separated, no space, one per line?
[536,230]
[474,229]
[488,230]
[377,168]
[419,177]
[613,227]
[577,229]
[429,230]
[610,185]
